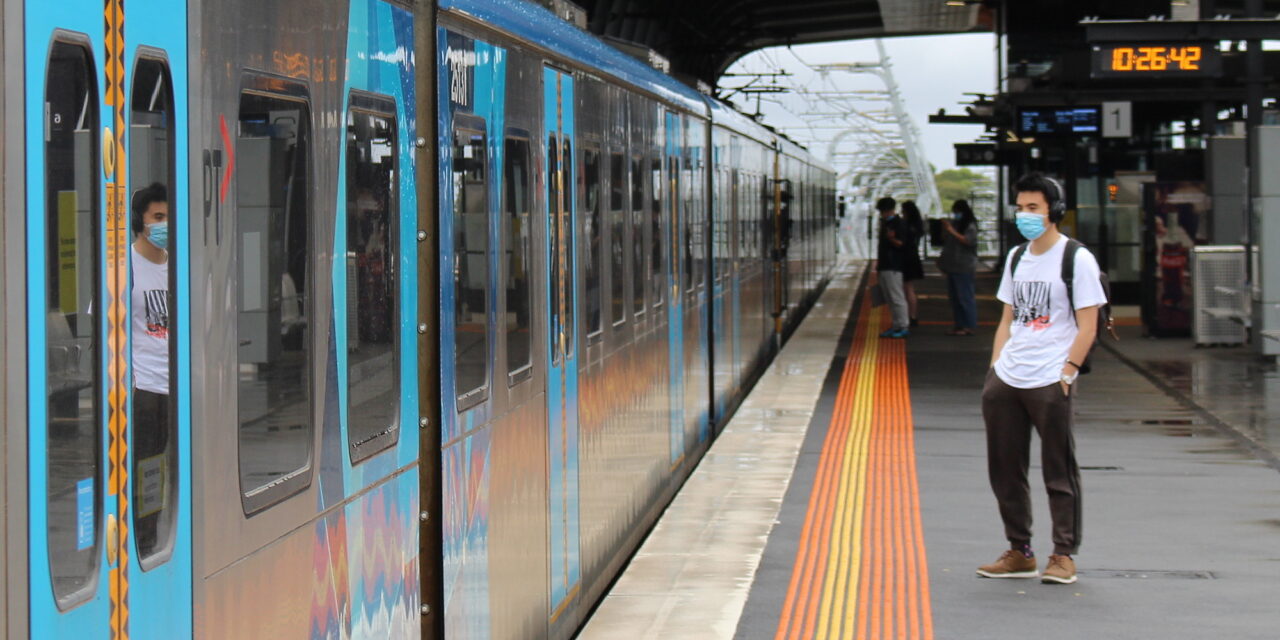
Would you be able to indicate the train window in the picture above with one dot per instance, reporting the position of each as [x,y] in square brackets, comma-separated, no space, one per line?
[517,204]
[680,262]
[568,241]
[554,251]
[591,206]
[682,215]
[273,241]
[637,235]
[372,279]
[470,261]
[617,252]
[73,338]
[656,240]
[154,424]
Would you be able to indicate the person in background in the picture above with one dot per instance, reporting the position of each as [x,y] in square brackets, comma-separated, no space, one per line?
[914,268]
[890,261]
[959,261]
[149,262]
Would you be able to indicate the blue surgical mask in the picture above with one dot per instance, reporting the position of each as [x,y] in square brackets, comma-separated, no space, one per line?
[158,234]
[1030,225]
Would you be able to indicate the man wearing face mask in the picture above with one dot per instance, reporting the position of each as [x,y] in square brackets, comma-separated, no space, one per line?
[149,265]
[1034,363]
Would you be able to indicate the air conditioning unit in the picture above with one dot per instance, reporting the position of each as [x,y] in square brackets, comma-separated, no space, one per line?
[567,11]
[640,52]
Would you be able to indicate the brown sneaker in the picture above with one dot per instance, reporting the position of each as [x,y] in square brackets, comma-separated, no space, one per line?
[1012,564]
[1061,569]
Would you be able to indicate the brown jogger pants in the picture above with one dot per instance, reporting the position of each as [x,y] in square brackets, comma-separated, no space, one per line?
[1009,413]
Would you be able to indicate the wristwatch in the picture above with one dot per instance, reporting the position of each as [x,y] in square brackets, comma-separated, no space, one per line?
[1069,379]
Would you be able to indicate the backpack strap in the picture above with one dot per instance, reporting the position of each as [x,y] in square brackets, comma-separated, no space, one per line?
[1069,274]
[1017,257]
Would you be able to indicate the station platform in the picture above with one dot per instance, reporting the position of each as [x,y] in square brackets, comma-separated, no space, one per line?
[848,496]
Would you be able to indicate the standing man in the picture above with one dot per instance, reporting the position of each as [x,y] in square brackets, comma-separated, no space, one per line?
[1035,359]
[891,259]
[149,264]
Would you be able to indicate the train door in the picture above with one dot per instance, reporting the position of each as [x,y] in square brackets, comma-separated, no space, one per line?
[562,338]
[109,533]
[675,310]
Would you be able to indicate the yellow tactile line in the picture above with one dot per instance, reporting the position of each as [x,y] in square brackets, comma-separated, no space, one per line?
[837,613]
[116,164]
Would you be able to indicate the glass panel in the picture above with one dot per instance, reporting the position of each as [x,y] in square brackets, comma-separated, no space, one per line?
[655,215]
[637,235]
[273,238]
[591,221]
[617,247]
[566,245]
[519,235]
[154,425]
[679,223]
[554,206]
[73,340]
[373,336]
[683,200]
[470,263]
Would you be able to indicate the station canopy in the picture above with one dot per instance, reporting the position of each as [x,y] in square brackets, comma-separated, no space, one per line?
[702,38]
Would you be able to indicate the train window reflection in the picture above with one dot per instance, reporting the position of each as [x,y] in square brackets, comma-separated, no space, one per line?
[568,241]
[638,223]
[617,252]
[656,240]
[72,336]
[273,269]
[519,236]
[470,261]
[554,218]
[154,427]
[372,279]
[591,209]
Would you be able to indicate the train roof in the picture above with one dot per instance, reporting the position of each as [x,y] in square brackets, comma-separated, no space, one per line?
[726,116]
[534,24]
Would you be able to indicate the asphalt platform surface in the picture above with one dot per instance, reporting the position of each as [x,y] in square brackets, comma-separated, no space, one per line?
[1181,493]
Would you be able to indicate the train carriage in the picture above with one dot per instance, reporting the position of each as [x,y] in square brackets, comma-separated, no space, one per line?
[457,296]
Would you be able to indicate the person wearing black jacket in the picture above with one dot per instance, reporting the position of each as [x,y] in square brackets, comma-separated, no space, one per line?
[890,261]
[913,269]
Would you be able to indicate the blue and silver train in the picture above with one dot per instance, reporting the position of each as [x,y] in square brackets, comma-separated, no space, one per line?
[457,296]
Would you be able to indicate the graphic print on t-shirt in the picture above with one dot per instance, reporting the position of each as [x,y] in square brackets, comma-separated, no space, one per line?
[1031,304]
[157,313]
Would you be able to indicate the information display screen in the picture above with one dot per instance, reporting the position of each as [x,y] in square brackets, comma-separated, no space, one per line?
[1155,59]
[1047,122]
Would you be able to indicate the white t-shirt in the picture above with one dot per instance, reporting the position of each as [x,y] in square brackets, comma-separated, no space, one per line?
[150,299]
[1043,328]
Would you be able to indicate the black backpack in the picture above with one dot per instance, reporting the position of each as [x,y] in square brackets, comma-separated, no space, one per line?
[1105,321]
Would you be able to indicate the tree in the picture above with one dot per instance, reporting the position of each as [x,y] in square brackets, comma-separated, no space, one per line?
[956,184]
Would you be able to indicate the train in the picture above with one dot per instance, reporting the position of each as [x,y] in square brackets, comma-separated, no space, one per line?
[452,298]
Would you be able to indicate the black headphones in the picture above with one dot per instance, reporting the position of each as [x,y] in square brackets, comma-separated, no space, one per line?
[142,198]
[1058,204]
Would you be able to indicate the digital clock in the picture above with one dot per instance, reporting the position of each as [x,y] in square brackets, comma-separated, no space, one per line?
[1156,59]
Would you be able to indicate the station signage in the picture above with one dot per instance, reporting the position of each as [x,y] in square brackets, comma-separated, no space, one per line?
[1156,60]
[1058,122]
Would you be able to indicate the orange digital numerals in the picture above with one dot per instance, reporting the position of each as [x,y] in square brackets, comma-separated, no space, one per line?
[1156,58]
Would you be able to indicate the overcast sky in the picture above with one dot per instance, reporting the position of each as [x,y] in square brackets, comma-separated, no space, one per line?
[931,71]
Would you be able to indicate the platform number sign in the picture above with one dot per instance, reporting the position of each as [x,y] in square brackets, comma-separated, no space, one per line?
[1117,119]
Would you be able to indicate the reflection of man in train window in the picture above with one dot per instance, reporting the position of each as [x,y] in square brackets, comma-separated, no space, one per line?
[149,263]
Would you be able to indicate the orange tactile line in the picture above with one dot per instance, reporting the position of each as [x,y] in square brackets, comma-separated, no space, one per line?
[860,569]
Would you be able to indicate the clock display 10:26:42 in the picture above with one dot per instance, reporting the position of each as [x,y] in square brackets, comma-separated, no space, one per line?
[1157,58]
